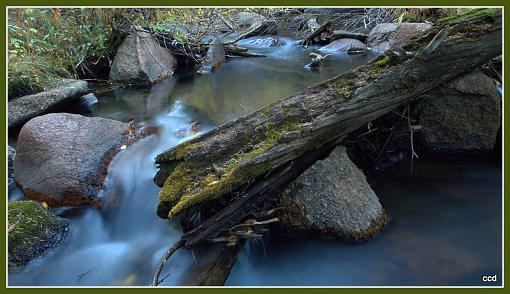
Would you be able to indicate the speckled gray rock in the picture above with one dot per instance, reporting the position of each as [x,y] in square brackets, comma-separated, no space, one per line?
[11,153]
[266,42]
[344,45]
[332,199]
[463,115]
[141,60]
[62,158]
[388,36]
[24,108]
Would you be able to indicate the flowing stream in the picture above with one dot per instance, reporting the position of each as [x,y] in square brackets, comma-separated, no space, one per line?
[445,219]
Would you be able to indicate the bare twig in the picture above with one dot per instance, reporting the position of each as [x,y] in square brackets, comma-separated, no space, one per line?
[155,278]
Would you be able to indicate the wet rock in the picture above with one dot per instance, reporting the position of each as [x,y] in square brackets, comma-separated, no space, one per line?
[11,153]
[332,199]
[62,158]
[388,36]
[214,58]
[345,45]
[463,115]
[247,19]
[24,108]
[267,42]
[141,60]
[32,231]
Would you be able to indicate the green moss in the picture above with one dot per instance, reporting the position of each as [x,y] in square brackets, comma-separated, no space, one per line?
[180,151]
[382,62]
[29,223]
[474,13]
[340,87]
[177,183]
[454,24]
[192,185]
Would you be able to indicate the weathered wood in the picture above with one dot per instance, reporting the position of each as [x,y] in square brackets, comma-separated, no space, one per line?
[247,204]
[219,271]
[310,39]
[234,50]
[340,34]
[257,154]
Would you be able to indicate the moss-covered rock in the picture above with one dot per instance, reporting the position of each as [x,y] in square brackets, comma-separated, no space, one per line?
[32,230]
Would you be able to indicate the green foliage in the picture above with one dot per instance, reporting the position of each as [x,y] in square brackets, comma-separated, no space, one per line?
[45,45]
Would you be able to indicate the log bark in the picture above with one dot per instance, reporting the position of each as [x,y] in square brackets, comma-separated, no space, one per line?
[247,160]
[310,39]
[340,34]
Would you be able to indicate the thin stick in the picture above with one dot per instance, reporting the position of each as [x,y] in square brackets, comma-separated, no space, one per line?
[162,262]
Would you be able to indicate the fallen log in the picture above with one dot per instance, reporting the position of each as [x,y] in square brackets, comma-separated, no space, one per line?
[246,161]
[234,50]
[310,39]
[340,34]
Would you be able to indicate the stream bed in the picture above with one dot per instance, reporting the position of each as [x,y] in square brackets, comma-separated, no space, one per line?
[445,219]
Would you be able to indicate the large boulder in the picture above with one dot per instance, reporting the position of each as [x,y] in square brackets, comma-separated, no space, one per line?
[62,158]
[141,60]
[24,108]
[11,153]
[332,199]
[463,115]
[345,45]
[32,230]
[388,36]
[214,58]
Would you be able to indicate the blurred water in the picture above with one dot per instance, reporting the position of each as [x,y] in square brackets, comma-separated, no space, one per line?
[121,243]
[445,226]
[444,229]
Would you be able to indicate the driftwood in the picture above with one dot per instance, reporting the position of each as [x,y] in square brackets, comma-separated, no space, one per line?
[340,34]
[310,39]
[220,269]
[234,50]
[246,161]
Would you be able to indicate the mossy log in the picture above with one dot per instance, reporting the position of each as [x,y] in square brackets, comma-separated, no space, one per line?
[247,159]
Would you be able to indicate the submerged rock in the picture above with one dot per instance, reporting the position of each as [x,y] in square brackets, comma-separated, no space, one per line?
[266,42]
[89,99]
[11,153]
[32,230]
[141,60]
[388,36]
[214,58]
[332,199]
[62,158]
[345,45]
[463,115]
[24,108]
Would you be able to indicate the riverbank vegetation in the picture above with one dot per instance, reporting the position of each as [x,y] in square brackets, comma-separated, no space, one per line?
[48,44]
